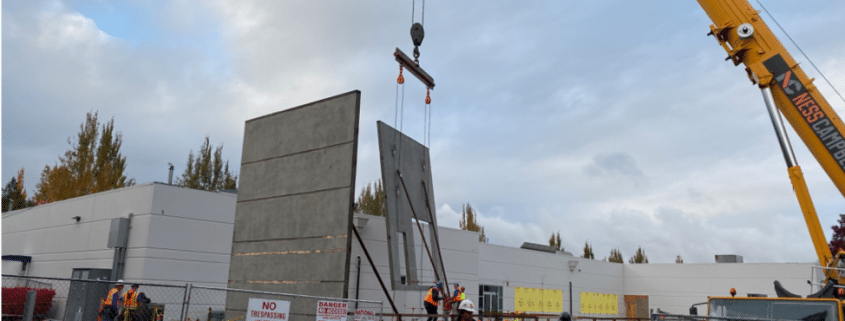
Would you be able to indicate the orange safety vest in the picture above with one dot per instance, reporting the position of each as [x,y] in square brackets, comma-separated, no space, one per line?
[130,299]
[110,295]
[430,298]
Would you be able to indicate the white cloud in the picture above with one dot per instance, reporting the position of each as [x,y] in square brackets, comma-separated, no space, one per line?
[634,133]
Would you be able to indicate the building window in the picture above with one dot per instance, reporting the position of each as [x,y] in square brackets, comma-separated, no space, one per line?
[489,298]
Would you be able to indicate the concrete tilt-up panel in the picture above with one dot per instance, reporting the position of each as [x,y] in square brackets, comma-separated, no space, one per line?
[295,203]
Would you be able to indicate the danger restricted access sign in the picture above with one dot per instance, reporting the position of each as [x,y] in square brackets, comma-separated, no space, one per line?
[332,310]
[267,310]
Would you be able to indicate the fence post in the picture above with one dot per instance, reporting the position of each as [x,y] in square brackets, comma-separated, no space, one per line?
[29,306]
[190,291]
[184,301]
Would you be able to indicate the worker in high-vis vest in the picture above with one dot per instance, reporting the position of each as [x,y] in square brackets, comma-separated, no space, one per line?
[130,303]
[112,302]
[130,298]
[432,298]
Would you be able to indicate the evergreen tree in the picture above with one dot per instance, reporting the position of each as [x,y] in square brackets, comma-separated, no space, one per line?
[14,194]
[638,257]
[468,223]
[588,251]
[837,242]
[89,166]
[372,198]
[207,171]
[615,256]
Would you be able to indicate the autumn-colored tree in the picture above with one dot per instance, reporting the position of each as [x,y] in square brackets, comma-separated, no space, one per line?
[14,194]
[638,257]
[837,242]
[207,171]
[588,251]
[468,223]
[554,241]
[371,200]
[93,164]
[615,256]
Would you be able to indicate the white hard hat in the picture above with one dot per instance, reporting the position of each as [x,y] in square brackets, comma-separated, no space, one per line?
[467,305]
[120,282]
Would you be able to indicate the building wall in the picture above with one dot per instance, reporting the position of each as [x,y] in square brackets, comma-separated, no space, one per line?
[177,235]
[472,263]
[57,243]
[515,267]
[670,287]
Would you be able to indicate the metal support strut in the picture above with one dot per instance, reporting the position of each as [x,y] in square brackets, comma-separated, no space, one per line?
[780,130]
[799,185]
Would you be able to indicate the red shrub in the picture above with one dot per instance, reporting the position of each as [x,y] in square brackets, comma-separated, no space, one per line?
[15,298]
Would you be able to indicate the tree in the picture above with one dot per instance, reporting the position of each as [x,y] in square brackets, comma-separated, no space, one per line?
[615,256]
[207,171]
[639,257]
[588,251]
[14,194]
[837,242]
[554,241]
[371,200]
[93,164]
[468,223]
[679,260]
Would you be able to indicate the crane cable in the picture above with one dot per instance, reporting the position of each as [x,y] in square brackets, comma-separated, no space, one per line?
[413,6]
[400,108]
[802,51]
[400,105]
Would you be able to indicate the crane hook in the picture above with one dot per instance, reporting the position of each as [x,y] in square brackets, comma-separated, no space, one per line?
[417,35]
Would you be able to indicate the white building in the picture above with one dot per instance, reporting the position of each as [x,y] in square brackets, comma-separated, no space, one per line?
[488,271]
[180,235]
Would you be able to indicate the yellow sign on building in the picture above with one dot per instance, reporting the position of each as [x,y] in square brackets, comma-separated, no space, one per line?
[599,303]
[538,300]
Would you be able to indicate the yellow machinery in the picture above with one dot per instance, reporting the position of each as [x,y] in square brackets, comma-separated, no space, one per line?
[745,37]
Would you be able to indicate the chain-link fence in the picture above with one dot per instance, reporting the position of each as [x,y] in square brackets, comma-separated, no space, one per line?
[82,300]
[209,304]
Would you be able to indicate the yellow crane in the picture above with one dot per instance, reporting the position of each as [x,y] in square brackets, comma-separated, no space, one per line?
[786,91]
[789,93]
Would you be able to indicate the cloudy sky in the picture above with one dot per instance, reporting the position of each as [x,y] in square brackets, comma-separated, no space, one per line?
[616,123]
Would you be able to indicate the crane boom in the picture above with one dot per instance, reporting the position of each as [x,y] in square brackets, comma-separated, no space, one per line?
[769,65]
[748,40]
